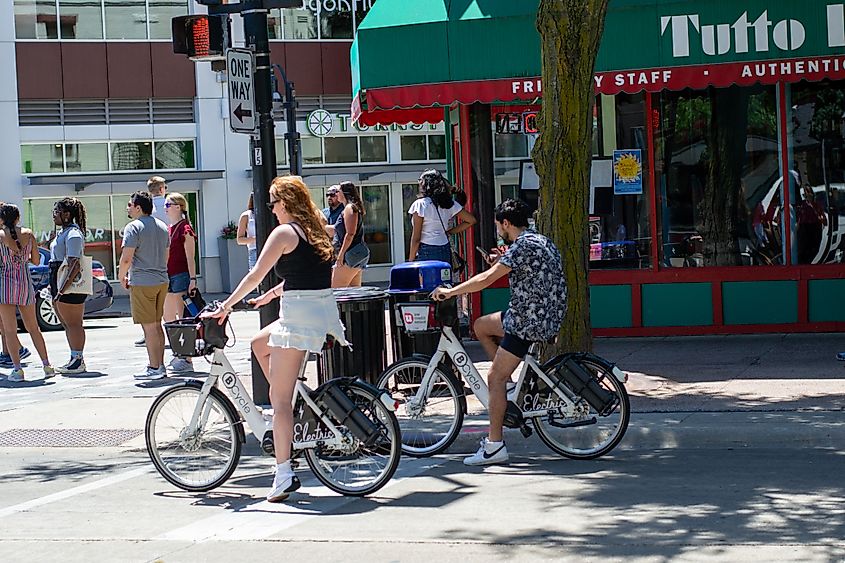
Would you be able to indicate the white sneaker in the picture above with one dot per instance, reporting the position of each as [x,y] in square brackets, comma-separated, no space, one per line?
[180,365]
[152,373]
[16,376]
[49,371]
[489,453]
[283,487]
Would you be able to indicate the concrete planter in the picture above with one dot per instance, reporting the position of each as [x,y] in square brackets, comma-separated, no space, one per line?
[234,263]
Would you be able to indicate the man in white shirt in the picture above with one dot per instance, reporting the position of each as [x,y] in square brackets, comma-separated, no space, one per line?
[157,186]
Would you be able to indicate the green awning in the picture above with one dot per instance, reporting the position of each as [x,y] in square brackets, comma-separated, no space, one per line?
[433,53]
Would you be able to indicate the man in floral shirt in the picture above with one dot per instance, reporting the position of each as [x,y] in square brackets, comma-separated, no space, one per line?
[535,312]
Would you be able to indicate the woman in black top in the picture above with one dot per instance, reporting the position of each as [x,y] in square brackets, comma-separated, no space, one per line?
[300,251]
[348,236]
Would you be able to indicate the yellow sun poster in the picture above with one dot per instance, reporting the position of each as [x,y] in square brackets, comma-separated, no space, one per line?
[627,172]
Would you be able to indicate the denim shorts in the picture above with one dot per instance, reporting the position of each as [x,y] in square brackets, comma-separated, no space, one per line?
[435,252]
[179,283]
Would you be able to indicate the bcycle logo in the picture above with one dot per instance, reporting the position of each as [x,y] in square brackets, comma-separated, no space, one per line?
[465,366]
[230,381]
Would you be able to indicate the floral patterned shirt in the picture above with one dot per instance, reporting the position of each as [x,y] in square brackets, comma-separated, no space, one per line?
[538,291]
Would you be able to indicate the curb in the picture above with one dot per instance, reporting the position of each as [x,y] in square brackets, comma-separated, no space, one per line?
[696,430]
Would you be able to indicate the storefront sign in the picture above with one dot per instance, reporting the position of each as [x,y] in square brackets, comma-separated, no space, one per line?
[627,172]
[319,122]
[338,5]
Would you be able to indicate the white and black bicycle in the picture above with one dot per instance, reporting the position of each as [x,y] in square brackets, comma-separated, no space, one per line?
[346,428]
[577,403]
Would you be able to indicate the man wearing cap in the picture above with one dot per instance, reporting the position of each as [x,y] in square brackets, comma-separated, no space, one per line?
[333,211]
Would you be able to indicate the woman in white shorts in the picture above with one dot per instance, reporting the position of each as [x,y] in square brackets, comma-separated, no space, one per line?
[301,253]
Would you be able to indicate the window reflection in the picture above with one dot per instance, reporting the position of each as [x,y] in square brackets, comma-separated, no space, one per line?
[161,13]
[817,172]
[132,156]
[36,19]
[377,223]
[299,23]
[126,19]
[81,19]
[718,175]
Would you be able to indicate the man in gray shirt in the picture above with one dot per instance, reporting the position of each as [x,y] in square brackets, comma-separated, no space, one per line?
[143,271]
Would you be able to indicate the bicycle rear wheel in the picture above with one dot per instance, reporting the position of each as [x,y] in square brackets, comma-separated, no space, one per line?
[194,461]
[359,470]
[589,435]
[430,427]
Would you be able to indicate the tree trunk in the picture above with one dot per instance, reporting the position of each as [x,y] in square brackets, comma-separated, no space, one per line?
[570,32]
[723,194]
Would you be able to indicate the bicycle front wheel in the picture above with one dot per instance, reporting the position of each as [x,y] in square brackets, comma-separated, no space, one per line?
[590,434]
[198,459]
[431,425]
[357,469]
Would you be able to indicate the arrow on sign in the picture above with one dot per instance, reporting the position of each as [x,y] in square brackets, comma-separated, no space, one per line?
[240,112]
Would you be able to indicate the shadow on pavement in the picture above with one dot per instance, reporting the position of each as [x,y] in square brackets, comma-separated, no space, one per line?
[85,375]
[6,384]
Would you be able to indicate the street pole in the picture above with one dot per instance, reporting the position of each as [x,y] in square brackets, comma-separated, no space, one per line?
[263,165]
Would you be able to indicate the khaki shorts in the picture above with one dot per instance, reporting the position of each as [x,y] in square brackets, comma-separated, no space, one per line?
[147,303]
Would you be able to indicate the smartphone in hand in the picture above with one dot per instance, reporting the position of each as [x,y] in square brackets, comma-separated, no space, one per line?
[483,252]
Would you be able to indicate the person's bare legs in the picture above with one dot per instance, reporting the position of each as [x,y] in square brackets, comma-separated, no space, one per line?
[343,276]
[71,317]
[9,323]
[154,338]
[261,348]
[173,306]
[31,325]
[504,364]
[489,331]
[285,364]
[357,278]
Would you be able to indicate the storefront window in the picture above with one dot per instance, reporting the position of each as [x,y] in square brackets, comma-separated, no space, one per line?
[341,149]
[87,157]
[718,175]
[410,192]
[299,23]
[281,152]
[377,223]
[817,172]
[161,14]
[510,146]
[274,24]
[132,156]
[36,19]
[373,149]
[41,159]
[437,147]
[81,19]
[335,23]
[126,19]
[413,147]
[312,150]
[620,235]
[174,154]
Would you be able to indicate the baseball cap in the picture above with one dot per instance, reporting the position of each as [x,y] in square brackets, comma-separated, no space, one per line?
[332,190]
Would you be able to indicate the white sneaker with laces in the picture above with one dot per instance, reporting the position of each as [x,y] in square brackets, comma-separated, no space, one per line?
[49,371]
[16,376]
[488,454]
[283,486]
[151,374]
[180,365]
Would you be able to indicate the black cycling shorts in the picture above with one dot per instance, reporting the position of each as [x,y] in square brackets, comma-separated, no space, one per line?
[515,345]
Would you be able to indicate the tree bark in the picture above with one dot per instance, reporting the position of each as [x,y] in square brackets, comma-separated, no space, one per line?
[723,197]
[570,32]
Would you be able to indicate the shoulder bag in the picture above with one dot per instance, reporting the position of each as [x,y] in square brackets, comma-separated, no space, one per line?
[458,262]
[83,284]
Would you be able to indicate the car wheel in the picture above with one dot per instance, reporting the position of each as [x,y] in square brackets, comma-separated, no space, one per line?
[46,314]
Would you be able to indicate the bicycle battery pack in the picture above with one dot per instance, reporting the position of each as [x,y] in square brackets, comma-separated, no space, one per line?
[585,385]
[344,410]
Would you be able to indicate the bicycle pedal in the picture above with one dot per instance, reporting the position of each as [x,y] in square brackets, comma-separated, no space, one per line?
[526,431]
[267,445]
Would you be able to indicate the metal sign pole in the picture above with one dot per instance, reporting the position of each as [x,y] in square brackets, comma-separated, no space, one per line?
[263,165]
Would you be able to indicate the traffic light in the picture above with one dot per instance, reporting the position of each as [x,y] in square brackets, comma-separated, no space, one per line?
[202,37]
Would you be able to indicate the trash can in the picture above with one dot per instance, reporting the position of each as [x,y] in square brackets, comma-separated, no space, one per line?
[411,282]
[362,314]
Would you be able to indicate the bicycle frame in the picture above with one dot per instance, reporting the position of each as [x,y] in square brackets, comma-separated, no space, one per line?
[450,345]
[222,370]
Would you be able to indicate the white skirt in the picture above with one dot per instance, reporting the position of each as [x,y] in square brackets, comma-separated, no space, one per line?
[305,318]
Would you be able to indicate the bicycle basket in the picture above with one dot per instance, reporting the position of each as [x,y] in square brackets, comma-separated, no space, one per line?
[428,316]
[195,337]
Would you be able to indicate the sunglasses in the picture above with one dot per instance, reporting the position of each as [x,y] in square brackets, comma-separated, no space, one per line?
[272,204]
[168,205]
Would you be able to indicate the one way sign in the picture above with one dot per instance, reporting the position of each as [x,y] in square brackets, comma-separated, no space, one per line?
[239,65]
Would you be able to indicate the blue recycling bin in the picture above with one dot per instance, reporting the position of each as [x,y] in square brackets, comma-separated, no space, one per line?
[411,282]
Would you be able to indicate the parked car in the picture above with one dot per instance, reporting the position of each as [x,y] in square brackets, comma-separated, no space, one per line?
[101,298]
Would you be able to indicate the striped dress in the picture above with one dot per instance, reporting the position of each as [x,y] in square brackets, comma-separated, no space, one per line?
[15,282]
